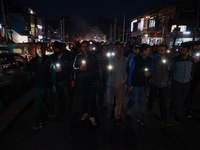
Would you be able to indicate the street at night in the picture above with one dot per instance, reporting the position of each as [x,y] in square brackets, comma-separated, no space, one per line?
[73,134]
[107,75]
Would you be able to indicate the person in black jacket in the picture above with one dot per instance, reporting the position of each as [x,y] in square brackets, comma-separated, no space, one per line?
[43,72]
[64,73]
[195,79]
[139,71]
[87,69]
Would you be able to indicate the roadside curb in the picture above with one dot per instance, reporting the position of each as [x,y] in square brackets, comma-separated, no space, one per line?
[15,109]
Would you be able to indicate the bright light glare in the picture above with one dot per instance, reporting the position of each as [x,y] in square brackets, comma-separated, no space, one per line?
[186,32]
[110,67]
[146,69]
[108,54]
[197,54]
[164,61]
[83,62]
[58,65]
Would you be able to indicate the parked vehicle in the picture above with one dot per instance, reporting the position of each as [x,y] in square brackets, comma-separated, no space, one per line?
[14,80]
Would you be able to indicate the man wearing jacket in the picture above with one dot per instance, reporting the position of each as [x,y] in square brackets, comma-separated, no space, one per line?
[63,63]
[182,72]
[195,79]
[139,71]
[43,72]
[159,83]
[116,82]
[87,68]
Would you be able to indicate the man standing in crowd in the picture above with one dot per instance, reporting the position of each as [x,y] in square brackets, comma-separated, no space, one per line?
[63,62]
[195,79]
[102,61]
[43,72]
[182,71]
[159,83]
[116,82]
[139,71]
[129,48]
[87,68]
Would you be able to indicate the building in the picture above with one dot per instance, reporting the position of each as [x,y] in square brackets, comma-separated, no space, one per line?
[171,24]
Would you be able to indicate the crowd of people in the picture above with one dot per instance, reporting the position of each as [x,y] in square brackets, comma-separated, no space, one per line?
[106,71]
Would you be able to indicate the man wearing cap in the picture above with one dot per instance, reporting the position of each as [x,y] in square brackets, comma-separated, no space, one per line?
[139,71]
[63,62]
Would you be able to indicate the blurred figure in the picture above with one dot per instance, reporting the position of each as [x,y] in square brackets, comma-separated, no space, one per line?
[129,48]
[102,61]
[43,72]
[195,79]
[63,63]
[76,49]
[135,52]
[132,55]
[139,71]
[86,65]
[154,52]
[116,82]
[182,70]
[159,83]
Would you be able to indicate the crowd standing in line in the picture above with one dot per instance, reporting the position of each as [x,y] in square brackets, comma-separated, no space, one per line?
[107,71]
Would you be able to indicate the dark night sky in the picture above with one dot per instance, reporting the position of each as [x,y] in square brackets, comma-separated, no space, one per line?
[83,12]
[88,9]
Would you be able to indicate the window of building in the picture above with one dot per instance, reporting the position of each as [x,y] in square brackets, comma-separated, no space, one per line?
[152,23]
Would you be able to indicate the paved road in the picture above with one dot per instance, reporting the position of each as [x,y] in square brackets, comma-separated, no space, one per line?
[72,134]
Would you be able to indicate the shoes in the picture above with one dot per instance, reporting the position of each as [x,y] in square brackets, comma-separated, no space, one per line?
[93,121]
[165,123]
[84,116]
[37,126]
[188,114]
[177,120]
[117,122]
[141,122]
